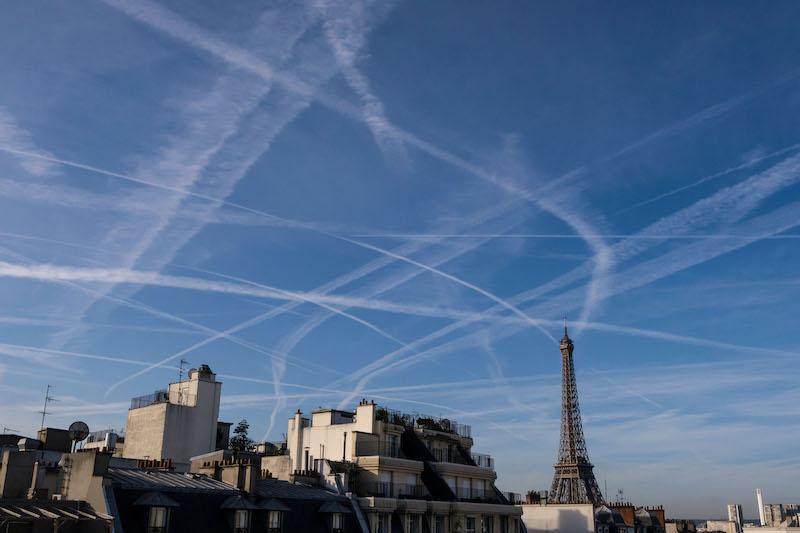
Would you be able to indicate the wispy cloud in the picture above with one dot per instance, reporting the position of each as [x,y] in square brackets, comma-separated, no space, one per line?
[728,205]
[182,30]
[14,136]
[344,24]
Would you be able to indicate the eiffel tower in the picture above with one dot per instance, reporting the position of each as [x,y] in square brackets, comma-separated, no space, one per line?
[574,480]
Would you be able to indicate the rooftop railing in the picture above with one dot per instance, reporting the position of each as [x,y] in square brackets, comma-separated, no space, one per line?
[383,489]
[383,449]
[483,460]
[473,494]
[449,455]
[416,420]
[159,396]
[514,498]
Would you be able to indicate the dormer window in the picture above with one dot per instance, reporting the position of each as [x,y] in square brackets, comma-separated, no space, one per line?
[337,523]
[274,521]
[158,508]
[158,520]
[241,521]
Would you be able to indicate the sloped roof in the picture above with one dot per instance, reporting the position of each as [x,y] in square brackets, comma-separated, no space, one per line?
[334,507]
[132,478]
[237,501]
[155,499]
[273,504]
[64,510]
[275,488]
[608,515]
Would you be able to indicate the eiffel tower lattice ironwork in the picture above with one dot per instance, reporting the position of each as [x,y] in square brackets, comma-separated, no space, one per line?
[574,480]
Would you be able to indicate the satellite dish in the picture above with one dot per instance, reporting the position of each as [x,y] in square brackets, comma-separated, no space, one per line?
[78,431]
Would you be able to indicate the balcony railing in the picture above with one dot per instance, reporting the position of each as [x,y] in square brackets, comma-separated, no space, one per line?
[449,455]
[453,455]
[159,396]
[384,449]
[472,493]
[396,490]
[483,460]
[415,420]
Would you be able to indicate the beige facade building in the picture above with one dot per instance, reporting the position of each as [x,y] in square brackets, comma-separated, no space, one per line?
[413,472]
[177,423]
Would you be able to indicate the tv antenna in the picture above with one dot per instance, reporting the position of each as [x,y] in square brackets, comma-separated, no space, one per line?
[47,400]
[6,429]
[183,363]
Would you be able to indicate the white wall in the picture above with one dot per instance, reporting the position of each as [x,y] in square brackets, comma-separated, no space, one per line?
[558,518]
[178,430]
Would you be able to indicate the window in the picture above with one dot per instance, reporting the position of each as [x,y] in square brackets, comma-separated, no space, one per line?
[413,523]
[159,517]
[488,524]
[503,524]
[470,525]
[381,523]
[337,523]
[437,524]
[274,520]
[241,521]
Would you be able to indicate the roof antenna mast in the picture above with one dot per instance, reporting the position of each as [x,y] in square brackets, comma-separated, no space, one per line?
[47,400]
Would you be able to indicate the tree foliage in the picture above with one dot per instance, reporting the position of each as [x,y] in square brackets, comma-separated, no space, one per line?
[240,441]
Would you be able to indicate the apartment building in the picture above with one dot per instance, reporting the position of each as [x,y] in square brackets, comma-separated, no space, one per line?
[408,471]
[179,422]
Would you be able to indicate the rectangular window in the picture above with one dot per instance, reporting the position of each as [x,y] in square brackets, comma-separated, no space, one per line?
[241,521]
[470,525]
[274,522]
[437,524]
[413,523]
[503,524]
[337,523]
[488,524]
[157,520]
[382,523]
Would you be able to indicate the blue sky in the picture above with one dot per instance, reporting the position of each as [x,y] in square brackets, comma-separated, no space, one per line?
[400,201]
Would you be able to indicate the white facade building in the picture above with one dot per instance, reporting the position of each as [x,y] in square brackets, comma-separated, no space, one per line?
[414,471]
[177,423]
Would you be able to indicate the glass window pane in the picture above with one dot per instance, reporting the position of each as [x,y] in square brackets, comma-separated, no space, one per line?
[158,517]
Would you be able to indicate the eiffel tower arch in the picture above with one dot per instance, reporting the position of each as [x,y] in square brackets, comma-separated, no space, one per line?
[574,480]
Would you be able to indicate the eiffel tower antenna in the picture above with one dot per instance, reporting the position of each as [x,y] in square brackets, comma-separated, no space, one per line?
[573,481]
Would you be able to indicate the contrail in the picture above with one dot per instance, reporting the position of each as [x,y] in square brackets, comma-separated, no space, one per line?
[245,325]
[710,177]
[168,316]
[168,22]
[305,329]
[693,236]
[120,275]
[781,220]
[460,281]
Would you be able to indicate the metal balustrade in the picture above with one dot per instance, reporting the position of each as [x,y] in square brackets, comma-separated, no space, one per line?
[483,460]
[416,420]
[384,489]
[159,396]
[472,493]
[384,449]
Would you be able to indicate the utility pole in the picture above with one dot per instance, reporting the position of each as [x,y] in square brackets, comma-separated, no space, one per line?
[47,400]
